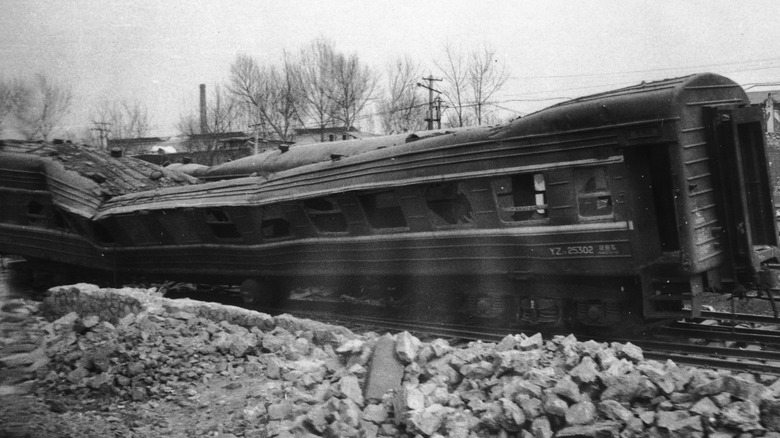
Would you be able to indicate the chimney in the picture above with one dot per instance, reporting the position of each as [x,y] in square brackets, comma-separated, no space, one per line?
[204,126]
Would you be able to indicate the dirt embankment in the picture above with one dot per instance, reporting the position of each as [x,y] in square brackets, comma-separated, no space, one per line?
[100,362]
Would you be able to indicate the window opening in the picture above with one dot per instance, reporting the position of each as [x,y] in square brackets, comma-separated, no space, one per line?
[522,197]
[325,214]
[221,224]
[103,234]
[448,203]
[137,230]
[179,226]
[383,210]
[36,214]
[273,225]
[594,199]
[60,221]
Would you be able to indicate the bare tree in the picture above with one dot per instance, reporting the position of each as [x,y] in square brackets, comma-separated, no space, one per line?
[455,86]
[39,107]
[485,77]
[315,84]
[270,91]
[123,118]
[402,109]
[353,87]
[138,121]
[6,101]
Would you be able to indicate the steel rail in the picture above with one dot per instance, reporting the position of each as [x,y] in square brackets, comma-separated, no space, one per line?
[737,359]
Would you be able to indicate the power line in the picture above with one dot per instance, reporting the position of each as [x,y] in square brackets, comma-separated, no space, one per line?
[581,75]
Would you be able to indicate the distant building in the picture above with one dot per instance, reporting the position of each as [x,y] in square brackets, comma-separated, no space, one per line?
[206,149]
[768,96]
[134,146]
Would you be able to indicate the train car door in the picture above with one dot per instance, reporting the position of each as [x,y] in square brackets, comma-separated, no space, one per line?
[742,174]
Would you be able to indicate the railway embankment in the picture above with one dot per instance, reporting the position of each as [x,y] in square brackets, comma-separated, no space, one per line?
[129,362]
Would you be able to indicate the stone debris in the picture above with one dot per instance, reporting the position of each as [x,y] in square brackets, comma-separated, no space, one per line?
[127,347]
[386,371]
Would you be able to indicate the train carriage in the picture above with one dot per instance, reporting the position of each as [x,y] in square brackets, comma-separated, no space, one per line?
[645,199]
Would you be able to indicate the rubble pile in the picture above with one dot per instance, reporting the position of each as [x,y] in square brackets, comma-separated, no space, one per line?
[244,373]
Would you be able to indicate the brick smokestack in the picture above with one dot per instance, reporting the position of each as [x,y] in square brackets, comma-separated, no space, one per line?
[204,126]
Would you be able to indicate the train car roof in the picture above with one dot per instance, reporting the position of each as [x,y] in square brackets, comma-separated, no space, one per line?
[644,102]
[288,157]
[81,178]
[366,164]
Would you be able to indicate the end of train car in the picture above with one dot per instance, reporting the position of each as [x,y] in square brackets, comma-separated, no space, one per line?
[648,201]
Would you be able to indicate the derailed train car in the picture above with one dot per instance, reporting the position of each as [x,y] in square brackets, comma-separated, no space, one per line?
[649,199]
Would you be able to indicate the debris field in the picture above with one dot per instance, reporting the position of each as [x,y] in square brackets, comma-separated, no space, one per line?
[128,362]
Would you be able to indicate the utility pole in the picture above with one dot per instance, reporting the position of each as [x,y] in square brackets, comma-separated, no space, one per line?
[254,126]
[438,112]
[103,130]
[430,88]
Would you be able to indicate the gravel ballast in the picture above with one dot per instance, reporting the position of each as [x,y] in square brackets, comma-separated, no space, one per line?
[128,362]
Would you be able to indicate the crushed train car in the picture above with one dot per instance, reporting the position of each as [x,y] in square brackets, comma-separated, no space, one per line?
[644,199]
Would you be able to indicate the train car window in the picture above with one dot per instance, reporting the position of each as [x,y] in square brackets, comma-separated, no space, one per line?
[179,226]
[60,221]
[594,198]
[325,214]
[448,204]
[521,197]
[221,224]
[142,229]
[273,225]
[103,233]
[383,210]
[36,214]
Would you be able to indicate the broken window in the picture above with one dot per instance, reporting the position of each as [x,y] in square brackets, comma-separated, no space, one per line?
[273,225]
[325,214]
[382,210]
[594,199]
[448,204]
[521,197]
[221,224]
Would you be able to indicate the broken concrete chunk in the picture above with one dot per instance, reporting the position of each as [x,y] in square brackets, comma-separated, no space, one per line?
[406,346]
[386,370]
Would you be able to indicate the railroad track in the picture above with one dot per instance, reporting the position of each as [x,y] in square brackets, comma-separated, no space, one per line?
[732,358]
[741,317]
[767,339]
[716,346]
[677,342]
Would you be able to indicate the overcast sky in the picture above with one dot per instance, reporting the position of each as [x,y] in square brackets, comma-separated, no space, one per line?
[159,51]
